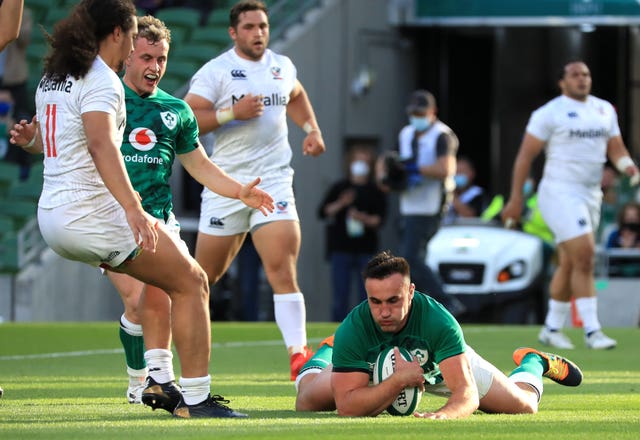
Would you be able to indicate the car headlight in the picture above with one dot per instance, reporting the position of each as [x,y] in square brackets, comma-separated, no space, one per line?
[513,271]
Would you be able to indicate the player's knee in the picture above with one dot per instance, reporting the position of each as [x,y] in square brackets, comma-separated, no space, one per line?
[203,281]
[585,264]
[195,280]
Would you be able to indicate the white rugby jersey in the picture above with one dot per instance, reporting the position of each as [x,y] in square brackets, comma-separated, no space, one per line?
[258,146]
[576,134]
[69,171]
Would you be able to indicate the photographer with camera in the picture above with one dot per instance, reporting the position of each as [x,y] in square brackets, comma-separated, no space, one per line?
[422,172]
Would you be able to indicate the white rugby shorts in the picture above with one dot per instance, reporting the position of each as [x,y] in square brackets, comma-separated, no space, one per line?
[223,216]
[569,210]
[93,231]
[483,373]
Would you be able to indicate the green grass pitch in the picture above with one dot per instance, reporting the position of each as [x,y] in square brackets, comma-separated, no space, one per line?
[68,380]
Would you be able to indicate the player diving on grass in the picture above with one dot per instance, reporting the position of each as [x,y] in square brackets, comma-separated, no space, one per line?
[338,376]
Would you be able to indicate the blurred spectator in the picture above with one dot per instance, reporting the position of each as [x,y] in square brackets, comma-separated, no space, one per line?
[6,122]
[627,234]
[625,237]
[354,209]
[616,192]
[610,185]
[468,198]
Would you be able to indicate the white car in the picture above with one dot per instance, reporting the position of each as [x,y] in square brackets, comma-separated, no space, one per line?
[496,273]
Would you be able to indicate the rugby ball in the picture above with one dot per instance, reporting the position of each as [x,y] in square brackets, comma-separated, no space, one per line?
[409,398]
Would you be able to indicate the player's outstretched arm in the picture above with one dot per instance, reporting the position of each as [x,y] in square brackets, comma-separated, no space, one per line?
[529,150]
[213,177]
[464,399]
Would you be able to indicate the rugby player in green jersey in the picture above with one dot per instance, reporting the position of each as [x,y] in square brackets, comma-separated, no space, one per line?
[396,315]
[161,128]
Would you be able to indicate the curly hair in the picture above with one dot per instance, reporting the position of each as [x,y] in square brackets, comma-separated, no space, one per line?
[384,264]
[153,29]
[244,6]
[76,39]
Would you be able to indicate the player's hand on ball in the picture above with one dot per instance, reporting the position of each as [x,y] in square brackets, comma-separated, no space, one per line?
[410,371]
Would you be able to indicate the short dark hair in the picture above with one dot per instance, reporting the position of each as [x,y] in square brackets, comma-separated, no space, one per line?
[384,264]
[244,6]
[563,69]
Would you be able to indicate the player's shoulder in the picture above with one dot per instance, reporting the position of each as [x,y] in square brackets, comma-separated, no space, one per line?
[221,63]
[170,103]
[599,102]
[550,108]
[169,99]
[407,131]
[270,54]
[100,73]
[558,101]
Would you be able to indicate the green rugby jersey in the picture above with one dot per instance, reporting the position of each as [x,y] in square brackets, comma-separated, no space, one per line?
[431,334]
[159,126]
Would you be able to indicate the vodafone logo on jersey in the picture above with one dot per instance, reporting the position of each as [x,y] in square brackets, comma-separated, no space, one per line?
[142,139]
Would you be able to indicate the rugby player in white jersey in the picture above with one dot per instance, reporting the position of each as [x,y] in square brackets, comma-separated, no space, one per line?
[88,210]
[578,133]
[160,129]
[244,96]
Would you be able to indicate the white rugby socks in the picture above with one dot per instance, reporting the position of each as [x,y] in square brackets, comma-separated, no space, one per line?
[291,317]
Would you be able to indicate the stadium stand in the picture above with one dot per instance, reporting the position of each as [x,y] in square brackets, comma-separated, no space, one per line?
[181,19]
[197,53]
[218,18]
[218,36]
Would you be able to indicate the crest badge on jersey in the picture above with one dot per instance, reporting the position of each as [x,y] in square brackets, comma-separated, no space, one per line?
[170,120]
[282,206]
[142,138]
[276,72]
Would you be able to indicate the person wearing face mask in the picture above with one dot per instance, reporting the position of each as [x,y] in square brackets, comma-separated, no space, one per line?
[625,236]
[468,198]
[427,148]
[6,122]
[354,209]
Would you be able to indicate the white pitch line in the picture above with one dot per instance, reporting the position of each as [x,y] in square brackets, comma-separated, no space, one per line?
[237,344]
[66,354]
